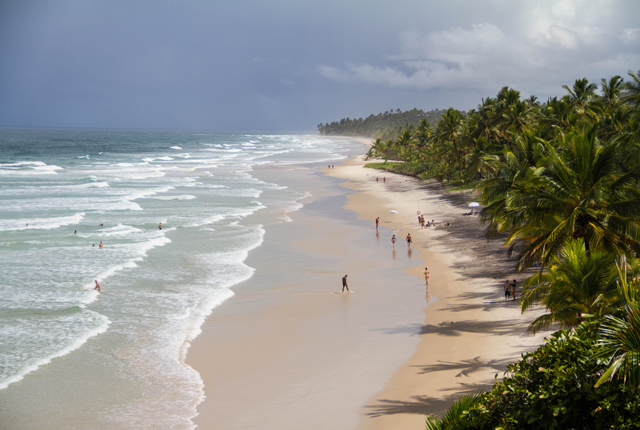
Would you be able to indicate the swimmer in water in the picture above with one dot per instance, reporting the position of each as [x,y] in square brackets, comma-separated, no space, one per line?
[100,246]
[160,226]
[98,286]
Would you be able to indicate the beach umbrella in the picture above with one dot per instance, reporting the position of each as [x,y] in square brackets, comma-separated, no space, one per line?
[474,204]
[394,212]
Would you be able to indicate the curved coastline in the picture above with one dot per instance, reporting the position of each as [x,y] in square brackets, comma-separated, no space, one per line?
[382,357]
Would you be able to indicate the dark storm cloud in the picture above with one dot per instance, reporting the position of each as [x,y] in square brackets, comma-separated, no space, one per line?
[288,65]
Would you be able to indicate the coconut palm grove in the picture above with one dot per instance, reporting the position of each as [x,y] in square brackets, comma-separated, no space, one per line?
[559,182]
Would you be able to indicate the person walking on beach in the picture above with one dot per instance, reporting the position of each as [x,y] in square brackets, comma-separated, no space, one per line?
[393,241]
[98,286]
[384,179]
[160,226]
[426,275]
[409,240]
[507,289]
[377,221]
[514,284]
[344,283]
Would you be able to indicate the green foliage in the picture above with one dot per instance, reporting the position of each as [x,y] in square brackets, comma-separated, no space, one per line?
[505,135]
[553,387]
[575,286]
[383,126]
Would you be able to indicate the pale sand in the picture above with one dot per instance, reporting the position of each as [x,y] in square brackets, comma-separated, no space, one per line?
[471,333]
[289,352]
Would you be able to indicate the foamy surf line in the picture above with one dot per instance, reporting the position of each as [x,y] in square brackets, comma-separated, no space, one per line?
[40,223]
[77,343]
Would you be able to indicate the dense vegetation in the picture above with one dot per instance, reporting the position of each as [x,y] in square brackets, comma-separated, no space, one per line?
[561,180]
[383,126]
[553,387]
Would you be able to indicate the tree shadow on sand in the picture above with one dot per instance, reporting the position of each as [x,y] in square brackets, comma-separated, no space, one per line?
[466,367]
[421,405]
[457,328]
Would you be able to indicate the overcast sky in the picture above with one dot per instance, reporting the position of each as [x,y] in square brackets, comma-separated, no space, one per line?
[288,65]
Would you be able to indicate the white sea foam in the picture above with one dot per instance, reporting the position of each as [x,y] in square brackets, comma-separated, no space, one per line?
[145,193]
[102,184]
[119,230]
[72,346]
[161,296]
[40,223]
[28,168]
[181,197]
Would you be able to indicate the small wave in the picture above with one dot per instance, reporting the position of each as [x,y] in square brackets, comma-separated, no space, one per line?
[141,194]
[29,167]
[102,184]
[40,223]
[140,250]
[77,343]
[120,230]
[182,197]
[176,147]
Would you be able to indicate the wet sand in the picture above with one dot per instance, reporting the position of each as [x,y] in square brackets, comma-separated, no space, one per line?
[290,351]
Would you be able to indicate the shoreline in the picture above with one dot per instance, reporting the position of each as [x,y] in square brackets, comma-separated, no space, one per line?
[273,354]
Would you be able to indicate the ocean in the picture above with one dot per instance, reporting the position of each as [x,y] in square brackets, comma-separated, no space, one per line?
[63,193]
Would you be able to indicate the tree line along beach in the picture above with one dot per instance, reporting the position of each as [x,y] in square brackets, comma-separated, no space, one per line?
[232,314]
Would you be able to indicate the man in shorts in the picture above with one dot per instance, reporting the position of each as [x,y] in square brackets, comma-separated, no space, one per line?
[344,283]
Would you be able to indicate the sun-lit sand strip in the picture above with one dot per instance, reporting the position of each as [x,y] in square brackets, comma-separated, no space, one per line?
[470,332]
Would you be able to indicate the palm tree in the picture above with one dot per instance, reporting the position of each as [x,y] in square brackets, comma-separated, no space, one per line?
[581,97]
[611,92]
[574,287]
[575,192]
[447,133]
[620,336]
[632,89]
[620,340]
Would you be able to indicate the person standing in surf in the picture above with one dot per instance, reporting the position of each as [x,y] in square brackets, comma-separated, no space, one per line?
[344,283]
[98,286]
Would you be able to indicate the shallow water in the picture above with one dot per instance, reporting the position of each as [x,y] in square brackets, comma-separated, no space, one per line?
[118,357]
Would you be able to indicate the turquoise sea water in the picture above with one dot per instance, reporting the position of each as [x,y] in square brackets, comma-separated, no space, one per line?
[65,191]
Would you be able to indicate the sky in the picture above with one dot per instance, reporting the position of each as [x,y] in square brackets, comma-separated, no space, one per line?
[288,65]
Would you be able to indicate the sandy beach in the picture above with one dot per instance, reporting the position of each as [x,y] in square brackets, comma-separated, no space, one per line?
[290,350]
